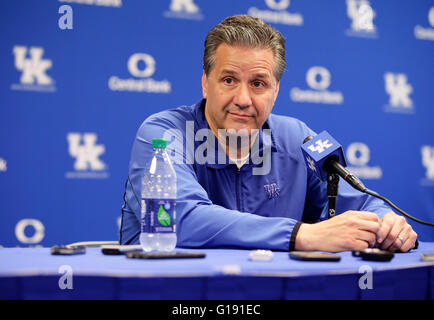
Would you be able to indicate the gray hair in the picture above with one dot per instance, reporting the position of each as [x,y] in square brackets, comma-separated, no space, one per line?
[244,30]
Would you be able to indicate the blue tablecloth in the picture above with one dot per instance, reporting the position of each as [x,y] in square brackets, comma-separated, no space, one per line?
[33,273]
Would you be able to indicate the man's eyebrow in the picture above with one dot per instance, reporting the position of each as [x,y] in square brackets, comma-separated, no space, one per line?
[229,72]
[260,75]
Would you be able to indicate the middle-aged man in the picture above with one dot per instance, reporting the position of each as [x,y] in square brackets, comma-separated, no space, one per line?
[254,191]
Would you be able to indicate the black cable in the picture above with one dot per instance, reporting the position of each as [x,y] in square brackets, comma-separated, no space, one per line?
[397,209]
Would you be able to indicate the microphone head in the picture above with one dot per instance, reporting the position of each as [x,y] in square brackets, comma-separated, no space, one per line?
[318,149]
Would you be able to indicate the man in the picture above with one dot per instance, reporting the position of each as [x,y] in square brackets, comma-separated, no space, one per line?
[261,195]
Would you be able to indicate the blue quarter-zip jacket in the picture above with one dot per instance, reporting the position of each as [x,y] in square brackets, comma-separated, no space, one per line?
[219,206]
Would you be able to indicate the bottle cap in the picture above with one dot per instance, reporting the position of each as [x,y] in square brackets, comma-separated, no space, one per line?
[159,143]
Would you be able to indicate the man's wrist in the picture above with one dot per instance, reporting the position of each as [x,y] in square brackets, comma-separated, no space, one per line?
[294,236]
[302,239]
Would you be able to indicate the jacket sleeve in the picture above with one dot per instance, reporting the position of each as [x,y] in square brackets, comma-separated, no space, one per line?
[200,223]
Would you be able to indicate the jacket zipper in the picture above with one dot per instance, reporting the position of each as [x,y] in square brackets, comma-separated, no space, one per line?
[237,189]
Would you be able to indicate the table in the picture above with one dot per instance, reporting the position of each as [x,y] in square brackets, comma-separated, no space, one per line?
[33,273]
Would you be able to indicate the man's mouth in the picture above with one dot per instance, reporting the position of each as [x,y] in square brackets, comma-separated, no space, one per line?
[240,115]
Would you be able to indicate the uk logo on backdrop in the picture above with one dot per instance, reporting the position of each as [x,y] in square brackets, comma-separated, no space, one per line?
[399,89]
[362,17]
[427,154]
[358,157]
[32,67]
[318,79]
[277,12]
[183,9]
[87,153]
[426,33]
[141,66]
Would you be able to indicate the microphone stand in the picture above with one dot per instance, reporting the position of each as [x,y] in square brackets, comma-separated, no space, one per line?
[332,192]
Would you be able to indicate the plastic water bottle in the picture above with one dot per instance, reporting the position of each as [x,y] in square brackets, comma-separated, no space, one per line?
[158,228]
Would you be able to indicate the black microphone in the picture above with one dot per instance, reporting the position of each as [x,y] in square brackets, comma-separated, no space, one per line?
[324,156]
[331,164]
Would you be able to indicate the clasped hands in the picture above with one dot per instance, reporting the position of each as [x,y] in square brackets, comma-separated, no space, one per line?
[355,231]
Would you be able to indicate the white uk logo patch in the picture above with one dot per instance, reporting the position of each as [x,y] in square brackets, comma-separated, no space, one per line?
[427,153]
[362,15]
[183,9]
[33,68]
[320,146]
[399,90]
[311,163]
[86,152]
[318,79]
[358,156]
[277,13]
[141,66]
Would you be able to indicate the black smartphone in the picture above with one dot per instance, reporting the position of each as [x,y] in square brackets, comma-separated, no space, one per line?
[68,250]
[119,249]
[427,257]
[314,256]
[375,254]
[165,255]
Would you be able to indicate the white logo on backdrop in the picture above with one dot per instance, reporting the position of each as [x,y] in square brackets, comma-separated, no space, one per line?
[33,70]
[38,231]
[3,165]
[140,65]
[358,155]
[86,152]
[399,90]
[277,14]
[426,33]
[362,15]
[103,3]
[319,79]
[427,153]
[183,9]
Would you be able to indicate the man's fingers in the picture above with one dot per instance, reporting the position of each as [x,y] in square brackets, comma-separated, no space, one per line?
[410,242]
[371,226]
[366,215]
[407,239]
[386,225]
[368,237]
[391,242]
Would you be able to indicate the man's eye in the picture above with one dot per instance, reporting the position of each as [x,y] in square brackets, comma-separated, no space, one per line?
[228,80]
[258,84]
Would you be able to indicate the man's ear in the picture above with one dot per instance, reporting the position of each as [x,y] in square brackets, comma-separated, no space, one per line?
[204,85]
[276,92]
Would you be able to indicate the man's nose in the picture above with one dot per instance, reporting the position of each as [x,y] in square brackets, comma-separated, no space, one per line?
[242,97]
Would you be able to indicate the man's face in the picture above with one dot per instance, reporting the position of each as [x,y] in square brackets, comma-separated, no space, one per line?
[240,89]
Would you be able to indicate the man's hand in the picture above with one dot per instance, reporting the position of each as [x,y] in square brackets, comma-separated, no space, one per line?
[351,230]
[395,234]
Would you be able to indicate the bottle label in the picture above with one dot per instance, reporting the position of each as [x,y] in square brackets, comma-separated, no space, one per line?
[158,215]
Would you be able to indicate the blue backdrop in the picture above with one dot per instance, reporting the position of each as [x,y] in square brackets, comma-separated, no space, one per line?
[78,77]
